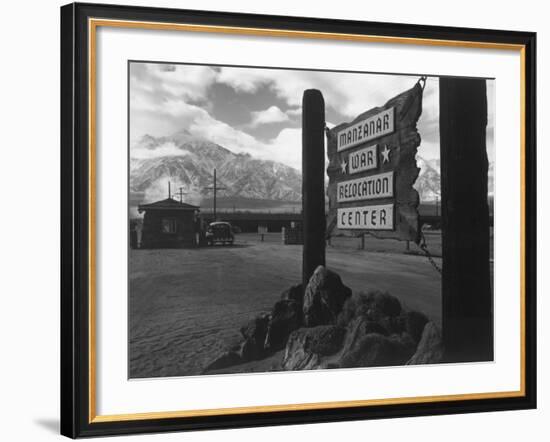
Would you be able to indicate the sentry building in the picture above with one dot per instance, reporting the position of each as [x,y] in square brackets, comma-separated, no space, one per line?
[169,224]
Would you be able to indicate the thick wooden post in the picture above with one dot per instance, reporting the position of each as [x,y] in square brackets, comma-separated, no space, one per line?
[313,182]
[466,286]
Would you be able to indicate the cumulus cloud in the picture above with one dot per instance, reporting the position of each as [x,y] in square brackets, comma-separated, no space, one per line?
[167,149]
[174,81]
[166,98]
[286,148]
[348,93]
[152,116]
[244,80]
[294,113]
[268,116]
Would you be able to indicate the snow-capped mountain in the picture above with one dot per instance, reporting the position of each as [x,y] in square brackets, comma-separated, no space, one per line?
[428,183]
[188,163]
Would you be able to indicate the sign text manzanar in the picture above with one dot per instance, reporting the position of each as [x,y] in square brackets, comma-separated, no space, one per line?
[366,129]
[372,170]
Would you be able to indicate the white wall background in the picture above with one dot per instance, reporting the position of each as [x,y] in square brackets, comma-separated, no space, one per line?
[29,220]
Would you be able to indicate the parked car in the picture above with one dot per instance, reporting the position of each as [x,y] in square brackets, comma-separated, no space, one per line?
[219,232]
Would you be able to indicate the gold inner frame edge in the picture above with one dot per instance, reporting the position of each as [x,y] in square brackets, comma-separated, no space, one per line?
[93,24]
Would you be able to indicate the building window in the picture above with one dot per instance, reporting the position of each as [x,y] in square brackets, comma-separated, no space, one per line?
[168,225]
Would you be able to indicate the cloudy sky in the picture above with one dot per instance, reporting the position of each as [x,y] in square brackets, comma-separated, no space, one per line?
[258,111]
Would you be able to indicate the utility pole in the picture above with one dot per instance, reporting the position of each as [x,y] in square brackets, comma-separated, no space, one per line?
[181,193]
[169,191]
[215,188]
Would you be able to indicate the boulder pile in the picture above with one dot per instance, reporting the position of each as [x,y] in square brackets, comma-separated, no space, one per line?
[326,326]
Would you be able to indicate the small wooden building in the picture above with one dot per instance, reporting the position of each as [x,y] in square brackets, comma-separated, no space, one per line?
[169,224]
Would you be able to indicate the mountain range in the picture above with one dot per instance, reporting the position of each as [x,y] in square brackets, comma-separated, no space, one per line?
[188,162]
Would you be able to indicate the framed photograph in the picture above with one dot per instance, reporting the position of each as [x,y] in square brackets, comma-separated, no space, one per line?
[279,220]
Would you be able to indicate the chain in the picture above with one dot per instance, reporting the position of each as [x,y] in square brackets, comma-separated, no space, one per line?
[424,247]
[423,81]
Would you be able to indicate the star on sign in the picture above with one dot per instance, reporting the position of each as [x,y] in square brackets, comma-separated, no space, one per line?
[343,165]
[385,154]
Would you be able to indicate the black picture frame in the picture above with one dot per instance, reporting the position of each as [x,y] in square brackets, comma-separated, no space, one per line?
[76,249]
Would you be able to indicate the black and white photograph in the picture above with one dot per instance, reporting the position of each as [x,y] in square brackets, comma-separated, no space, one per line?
[290,219]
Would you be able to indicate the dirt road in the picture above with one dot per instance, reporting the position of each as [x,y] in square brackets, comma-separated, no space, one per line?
[187,305]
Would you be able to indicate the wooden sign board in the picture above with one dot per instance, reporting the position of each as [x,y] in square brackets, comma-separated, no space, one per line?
[372,169]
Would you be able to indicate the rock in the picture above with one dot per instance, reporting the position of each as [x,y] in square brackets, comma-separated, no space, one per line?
[285,318]
[227,359]
[414,323]
[324,297]
[392,325]
[411,322]
[374,350]
[406,344]
[307,346]
[299,359]
[382,304]
[255,326]
[430,349]
[294,293]
[254,334]
[358,329]
[373,305]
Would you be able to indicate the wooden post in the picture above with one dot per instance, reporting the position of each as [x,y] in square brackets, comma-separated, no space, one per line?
[313,182]
[467,318]
[215,191]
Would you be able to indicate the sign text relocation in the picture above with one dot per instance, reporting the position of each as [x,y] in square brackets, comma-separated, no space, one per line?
[366,188]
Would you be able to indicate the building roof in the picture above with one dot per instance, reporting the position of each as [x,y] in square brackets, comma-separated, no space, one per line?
[167,204]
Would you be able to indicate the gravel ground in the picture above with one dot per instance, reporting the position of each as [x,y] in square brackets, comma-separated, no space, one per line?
[187,305]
